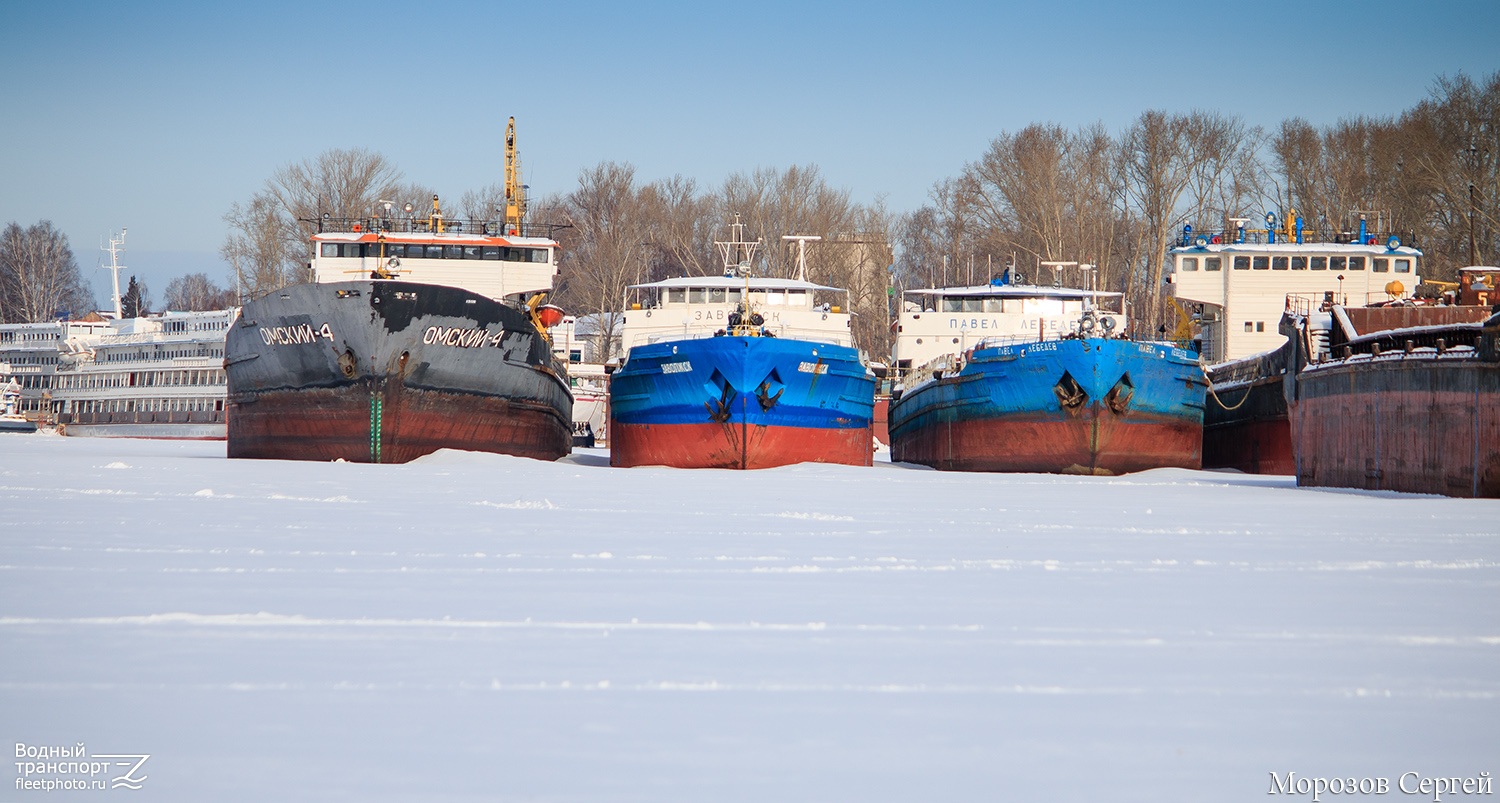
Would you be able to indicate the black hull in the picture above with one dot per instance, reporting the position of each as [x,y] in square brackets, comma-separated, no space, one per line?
[387,371]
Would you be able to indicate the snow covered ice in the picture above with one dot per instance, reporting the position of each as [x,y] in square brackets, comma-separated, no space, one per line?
[471,627]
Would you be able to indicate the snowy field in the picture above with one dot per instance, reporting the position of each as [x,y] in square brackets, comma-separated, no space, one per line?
[472,627]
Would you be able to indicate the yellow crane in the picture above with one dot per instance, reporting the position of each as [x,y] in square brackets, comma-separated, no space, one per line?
[515,192]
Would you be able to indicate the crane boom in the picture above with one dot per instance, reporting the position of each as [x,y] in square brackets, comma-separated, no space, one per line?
[515,191]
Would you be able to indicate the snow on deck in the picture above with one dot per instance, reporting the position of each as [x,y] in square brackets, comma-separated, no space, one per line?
[473,627]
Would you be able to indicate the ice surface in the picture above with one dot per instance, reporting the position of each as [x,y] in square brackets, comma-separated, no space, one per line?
[471,627]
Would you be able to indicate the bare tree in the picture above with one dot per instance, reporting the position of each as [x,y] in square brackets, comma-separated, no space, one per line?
[196,292]
[262,247]
[39,279]
[270,236]
[1159,161]
[605,247]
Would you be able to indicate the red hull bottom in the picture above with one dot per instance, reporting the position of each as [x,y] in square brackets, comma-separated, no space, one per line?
[1254,447]
[1055,446]
[1416,441]
[347,424]
[734,445]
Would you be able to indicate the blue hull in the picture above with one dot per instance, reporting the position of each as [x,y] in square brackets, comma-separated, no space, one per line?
[741,402]
[1092,406]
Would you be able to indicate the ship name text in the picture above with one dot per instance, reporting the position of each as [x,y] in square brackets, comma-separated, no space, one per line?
[812,368]
[461,338]
[301,334]
[676,367]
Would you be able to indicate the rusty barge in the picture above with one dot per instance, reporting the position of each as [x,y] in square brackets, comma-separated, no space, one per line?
[1409,402]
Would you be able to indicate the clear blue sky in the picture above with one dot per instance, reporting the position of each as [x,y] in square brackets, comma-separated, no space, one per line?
[158,116]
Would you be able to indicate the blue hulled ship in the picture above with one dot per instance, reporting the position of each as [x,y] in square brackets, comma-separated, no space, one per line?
[739,372]
[1039,379]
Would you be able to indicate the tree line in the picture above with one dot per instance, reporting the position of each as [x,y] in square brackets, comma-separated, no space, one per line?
[1044,193]
[40,281]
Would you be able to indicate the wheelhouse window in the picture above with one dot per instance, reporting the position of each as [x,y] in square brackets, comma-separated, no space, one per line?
[1261,263]
[1242,263]
[1320,263]
[1278,263]
[697,295]
[1188,264]
[433,252]
[1299,263]
[677,295]
[472,252]
[1212,263]
[491,252]
[1380,265]
[328,250]
[453,252]
[796,298]
[1403,266]
[1337,263]
[716,295]
[1356,263]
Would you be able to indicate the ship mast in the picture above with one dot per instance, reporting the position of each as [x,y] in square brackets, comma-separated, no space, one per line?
[114,266]
[515,191]
[802,241]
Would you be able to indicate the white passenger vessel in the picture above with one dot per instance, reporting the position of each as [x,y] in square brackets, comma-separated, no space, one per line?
[29,357]
[156,377]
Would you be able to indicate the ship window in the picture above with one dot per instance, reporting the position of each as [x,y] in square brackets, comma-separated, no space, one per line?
[973,305]
[352,250]
[433,252]
[734,295]
[1380,265]
[1278,263]
[1249,327]
[716,295]
[796,298]
[1320,263]
[1356,263]
[994,305]
[1212,263]
[696,295]
[1403,266]
[1260,326]
[1188,263]
[472,252]
[1336,263]
[1242,263]
[953,305]
[1299,263]
[329,250]
[492,252]
[453,251]
[677,295]
[539,255]
[1261,263]
[776,298]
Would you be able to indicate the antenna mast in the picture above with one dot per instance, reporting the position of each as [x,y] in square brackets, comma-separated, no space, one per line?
[114,266]
[802,241]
